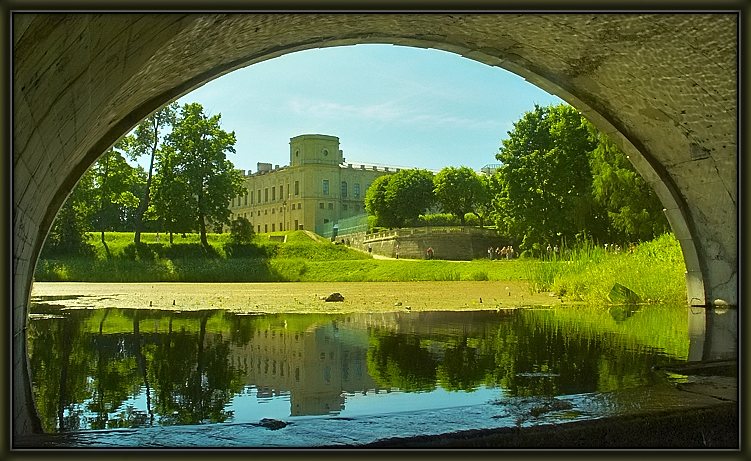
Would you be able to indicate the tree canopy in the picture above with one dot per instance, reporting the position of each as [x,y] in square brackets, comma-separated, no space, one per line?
[200,148]
[397,199]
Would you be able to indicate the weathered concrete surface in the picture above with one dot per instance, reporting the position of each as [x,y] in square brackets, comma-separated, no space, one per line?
[664,86]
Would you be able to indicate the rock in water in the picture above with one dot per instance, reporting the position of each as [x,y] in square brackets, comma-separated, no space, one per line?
[334,298]
[620,294]
[272,424]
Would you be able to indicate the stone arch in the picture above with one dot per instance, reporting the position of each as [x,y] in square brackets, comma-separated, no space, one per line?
[663,86]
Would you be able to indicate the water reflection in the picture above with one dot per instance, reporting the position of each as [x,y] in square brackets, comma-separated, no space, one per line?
[111,368]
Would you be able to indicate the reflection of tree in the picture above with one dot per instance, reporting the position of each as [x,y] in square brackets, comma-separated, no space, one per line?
[59,368]
[463,367]
[193,387]
[399,361]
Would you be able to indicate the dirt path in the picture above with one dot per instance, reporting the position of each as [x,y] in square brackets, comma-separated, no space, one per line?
[298,297]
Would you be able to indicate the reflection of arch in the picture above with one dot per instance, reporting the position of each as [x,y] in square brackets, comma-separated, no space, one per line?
[662,86]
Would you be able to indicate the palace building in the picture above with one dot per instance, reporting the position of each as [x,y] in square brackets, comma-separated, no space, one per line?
[316,188]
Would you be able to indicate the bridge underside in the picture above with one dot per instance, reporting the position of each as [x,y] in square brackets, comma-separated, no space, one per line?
[663,86]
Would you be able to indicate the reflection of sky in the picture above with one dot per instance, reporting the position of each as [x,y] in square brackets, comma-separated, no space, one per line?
[248,407]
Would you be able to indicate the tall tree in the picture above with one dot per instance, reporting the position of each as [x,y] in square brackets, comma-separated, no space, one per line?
[170,197]
[145,140]
[458,191]
[545,175]
[401,197]
[633,209]
[115,182]
[201,147]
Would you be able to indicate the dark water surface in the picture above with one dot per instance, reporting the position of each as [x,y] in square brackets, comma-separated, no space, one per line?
[125,368]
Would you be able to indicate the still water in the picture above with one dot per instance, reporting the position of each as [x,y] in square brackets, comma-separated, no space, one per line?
[124,368]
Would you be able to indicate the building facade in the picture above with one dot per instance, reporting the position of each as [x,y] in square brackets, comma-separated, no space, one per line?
[315,189]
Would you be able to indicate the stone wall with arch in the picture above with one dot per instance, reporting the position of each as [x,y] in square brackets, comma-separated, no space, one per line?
[663,86]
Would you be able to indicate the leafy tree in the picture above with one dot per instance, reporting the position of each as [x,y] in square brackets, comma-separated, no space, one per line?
[145,140]
[241,231]
[170,192]
[490,184]
[633,209]
[69,232]
[545,176]
[116,184]
[458,191]
[200,147]
[375,201]
[400,198]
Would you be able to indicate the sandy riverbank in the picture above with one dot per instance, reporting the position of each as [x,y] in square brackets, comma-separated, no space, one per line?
[297,297]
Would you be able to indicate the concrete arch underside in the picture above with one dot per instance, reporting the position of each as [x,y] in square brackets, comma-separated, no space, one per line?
[663,86]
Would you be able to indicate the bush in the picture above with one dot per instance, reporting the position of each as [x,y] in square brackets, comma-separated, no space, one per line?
[241,231]
[140,252]
[247,250]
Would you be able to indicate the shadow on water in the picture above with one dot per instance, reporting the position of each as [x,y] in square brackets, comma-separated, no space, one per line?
[121,368]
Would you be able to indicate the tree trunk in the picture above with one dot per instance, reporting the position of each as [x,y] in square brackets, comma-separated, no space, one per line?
[144,205]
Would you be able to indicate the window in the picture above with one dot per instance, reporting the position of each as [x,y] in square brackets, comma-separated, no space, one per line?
[281,227]
[331,205]
[265,227]
[320,205]
[325,221]
[259,228]
[265,212]
[293,206]
[356,190]
[344,206]
[297,187]
[273,227]
[325,187]
[299,206]
[273,193]
[344,189]
[259,195]
[273,210]
[252,197]
[281,192]
[266,195]
[246,198]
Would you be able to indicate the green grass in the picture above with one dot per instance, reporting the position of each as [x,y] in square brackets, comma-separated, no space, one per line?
[654,270]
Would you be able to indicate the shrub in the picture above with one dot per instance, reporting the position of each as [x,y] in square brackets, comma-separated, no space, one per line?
[241,231]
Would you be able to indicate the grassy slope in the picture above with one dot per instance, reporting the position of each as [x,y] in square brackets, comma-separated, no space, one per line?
[654,271]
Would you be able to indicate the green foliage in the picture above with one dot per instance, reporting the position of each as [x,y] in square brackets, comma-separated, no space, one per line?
[199,148]
[633,209]
[241,231]
[144,140]
[653,270]
[398,199]
[546,177]
[458,191]
[115,186]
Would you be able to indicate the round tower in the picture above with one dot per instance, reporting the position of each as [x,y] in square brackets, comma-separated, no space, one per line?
[314,148]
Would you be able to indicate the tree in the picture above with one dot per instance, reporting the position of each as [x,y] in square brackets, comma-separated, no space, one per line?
[458,191]
[399,198]
[170,202]
[375,201]
[545,176]
[201,147]
[116,184]
[484,202]
[69,232]
[145,140]
[633,209]
[241,231]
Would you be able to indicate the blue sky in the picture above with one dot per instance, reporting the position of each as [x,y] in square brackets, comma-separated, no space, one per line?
[388,105]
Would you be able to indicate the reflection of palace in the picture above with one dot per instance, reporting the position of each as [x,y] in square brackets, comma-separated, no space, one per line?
[316,366]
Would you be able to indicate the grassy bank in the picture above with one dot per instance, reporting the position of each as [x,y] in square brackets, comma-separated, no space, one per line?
[654,270]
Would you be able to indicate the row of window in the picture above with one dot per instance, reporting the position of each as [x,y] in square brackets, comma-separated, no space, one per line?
[344,189]
[243,199]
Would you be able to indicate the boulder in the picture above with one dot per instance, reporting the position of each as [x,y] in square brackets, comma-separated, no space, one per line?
[620,294]
[334,298]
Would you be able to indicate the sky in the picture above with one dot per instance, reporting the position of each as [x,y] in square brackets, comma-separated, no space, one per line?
[388,105]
